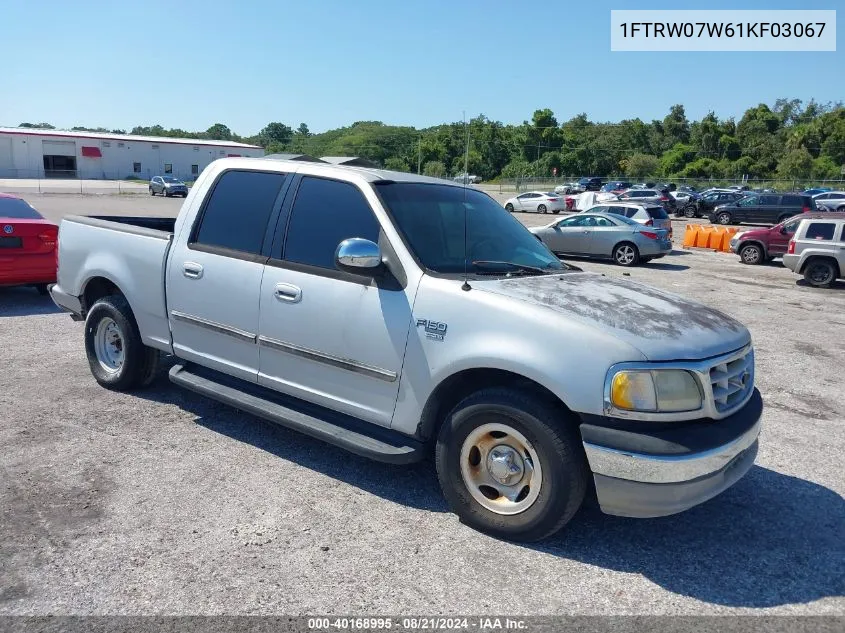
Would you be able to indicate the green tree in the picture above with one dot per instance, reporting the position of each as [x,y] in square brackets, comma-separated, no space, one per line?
[434,168]
[275,133]
[394,163]
[798,163]
[674,160]
[640,165]
[824,168]
[219,132]
[303,130]
[675,126]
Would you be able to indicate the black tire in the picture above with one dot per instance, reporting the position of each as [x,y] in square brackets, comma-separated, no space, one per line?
[140,362]
[542,209]
[556,211]
[152,193]
[841,209]
[558,448]
[509,207]
[723,217]
[690,212]
[621,257]
[820,272]
[43,289]
[645,260]
[752,254]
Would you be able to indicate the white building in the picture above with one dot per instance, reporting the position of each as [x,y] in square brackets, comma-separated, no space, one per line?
[34,153]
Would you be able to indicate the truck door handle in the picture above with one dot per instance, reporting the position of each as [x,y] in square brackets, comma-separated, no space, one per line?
[192,270]
[288,292]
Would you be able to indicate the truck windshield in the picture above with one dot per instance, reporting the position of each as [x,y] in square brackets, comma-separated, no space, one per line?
[431,218]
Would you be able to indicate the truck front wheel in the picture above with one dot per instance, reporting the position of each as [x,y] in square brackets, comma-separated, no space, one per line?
[117,357]
[510,465]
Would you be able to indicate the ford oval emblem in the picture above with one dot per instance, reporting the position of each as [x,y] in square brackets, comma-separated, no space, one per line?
[7,229]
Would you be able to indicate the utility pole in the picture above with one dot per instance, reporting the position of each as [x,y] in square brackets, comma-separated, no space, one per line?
[419,155]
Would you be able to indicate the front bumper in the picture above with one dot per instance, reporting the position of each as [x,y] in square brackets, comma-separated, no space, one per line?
[670,467]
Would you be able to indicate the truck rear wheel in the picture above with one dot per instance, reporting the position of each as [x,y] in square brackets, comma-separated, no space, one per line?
[117,357]
[509,465]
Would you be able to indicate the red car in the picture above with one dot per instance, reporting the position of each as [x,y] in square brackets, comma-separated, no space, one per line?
[28,245]
[760,245]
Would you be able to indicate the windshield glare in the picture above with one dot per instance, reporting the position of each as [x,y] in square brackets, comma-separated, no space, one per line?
[431,219]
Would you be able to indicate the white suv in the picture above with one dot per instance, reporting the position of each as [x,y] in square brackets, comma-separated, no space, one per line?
[817,250]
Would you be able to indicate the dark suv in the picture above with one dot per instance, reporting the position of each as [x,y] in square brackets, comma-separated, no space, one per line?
[591,184]
[764,208]
[706,203]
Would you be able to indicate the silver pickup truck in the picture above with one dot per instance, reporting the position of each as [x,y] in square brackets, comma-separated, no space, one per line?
[399,316]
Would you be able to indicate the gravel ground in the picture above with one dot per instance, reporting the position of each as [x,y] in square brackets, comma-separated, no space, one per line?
[162,502]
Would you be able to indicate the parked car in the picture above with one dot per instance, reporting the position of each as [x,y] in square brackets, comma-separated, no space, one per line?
[710,200]
[687,188]
[168,186]
[527,381]
[761,245]
[663,198]
[684,199]
[539,201]
[467,179]
[739,187]
[762,208]
[569,187]
[817,250]
[27,245]
[830,200]
[647,214]
[617,186]
[816,190]
[606,236]
[591,184]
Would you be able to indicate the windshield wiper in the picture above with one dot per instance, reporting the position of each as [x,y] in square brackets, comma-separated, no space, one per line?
[515,267]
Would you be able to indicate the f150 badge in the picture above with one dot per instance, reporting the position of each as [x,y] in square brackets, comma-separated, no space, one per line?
[434,330]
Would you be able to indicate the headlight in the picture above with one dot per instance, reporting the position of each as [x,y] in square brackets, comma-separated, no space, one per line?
[663,390]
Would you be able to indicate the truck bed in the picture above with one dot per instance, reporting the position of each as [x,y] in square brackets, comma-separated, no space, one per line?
[131,253]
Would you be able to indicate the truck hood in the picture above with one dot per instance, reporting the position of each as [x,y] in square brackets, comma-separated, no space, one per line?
[659,324]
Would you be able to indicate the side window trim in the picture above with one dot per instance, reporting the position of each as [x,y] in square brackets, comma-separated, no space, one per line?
[264,254]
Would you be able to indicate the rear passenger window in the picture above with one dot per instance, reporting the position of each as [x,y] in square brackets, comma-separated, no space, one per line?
[770,200]
[630,212]
[616,210]
[820,231]
[325,213]
[657,213]
[238,210]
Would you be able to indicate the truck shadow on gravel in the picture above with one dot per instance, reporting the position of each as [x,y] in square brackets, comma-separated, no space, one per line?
[23,301]
[770,540]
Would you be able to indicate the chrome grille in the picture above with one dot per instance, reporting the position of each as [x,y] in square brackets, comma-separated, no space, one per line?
[732,381]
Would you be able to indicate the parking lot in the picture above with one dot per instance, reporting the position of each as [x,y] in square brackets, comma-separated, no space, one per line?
[162,502]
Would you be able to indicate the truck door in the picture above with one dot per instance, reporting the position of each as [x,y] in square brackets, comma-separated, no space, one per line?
[326,336]
[214,276]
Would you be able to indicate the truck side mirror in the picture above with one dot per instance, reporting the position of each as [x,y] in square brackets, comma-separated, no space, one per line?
[358,256]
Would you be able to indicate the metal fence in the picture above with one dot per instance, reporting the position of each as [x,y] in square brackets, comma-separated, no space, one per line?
[532,183]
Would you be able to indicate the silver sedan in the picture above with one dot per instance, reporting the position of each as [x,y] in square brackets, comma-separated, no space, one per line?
[604,235]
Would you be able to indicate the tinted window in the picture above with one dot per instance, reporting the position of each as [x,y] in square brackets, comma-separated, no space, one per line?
[657,213]
[434,220]
[791,201]
[577,221]
[770,200]
[616,210]
[820,231]
[325,213]
[623,220]
[18,209]
[237,212]
[630,212]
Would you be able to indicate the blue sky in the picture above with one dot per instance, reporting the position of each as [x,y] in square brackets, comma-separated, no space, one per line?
[329,63]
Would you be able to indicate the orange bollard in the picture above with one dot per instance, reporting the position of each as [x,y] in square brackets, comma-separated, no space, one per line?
[715,238]
[726,239]
[690,233]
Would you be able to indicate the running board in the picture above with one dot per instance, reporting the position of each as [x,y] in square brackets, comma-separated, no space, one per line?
[351,434]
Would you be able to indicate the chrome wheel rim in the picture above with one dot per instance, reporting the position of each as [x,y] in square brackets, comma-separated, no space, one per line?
[625,255]
[751,254]
[501,469]
[724,218]
[542,208]
[109,346]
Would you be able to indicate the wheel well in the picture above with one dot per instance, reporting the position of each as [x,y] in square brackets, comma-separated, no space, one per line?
[813,258]
[745,243]
[458,386]
[95,289]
